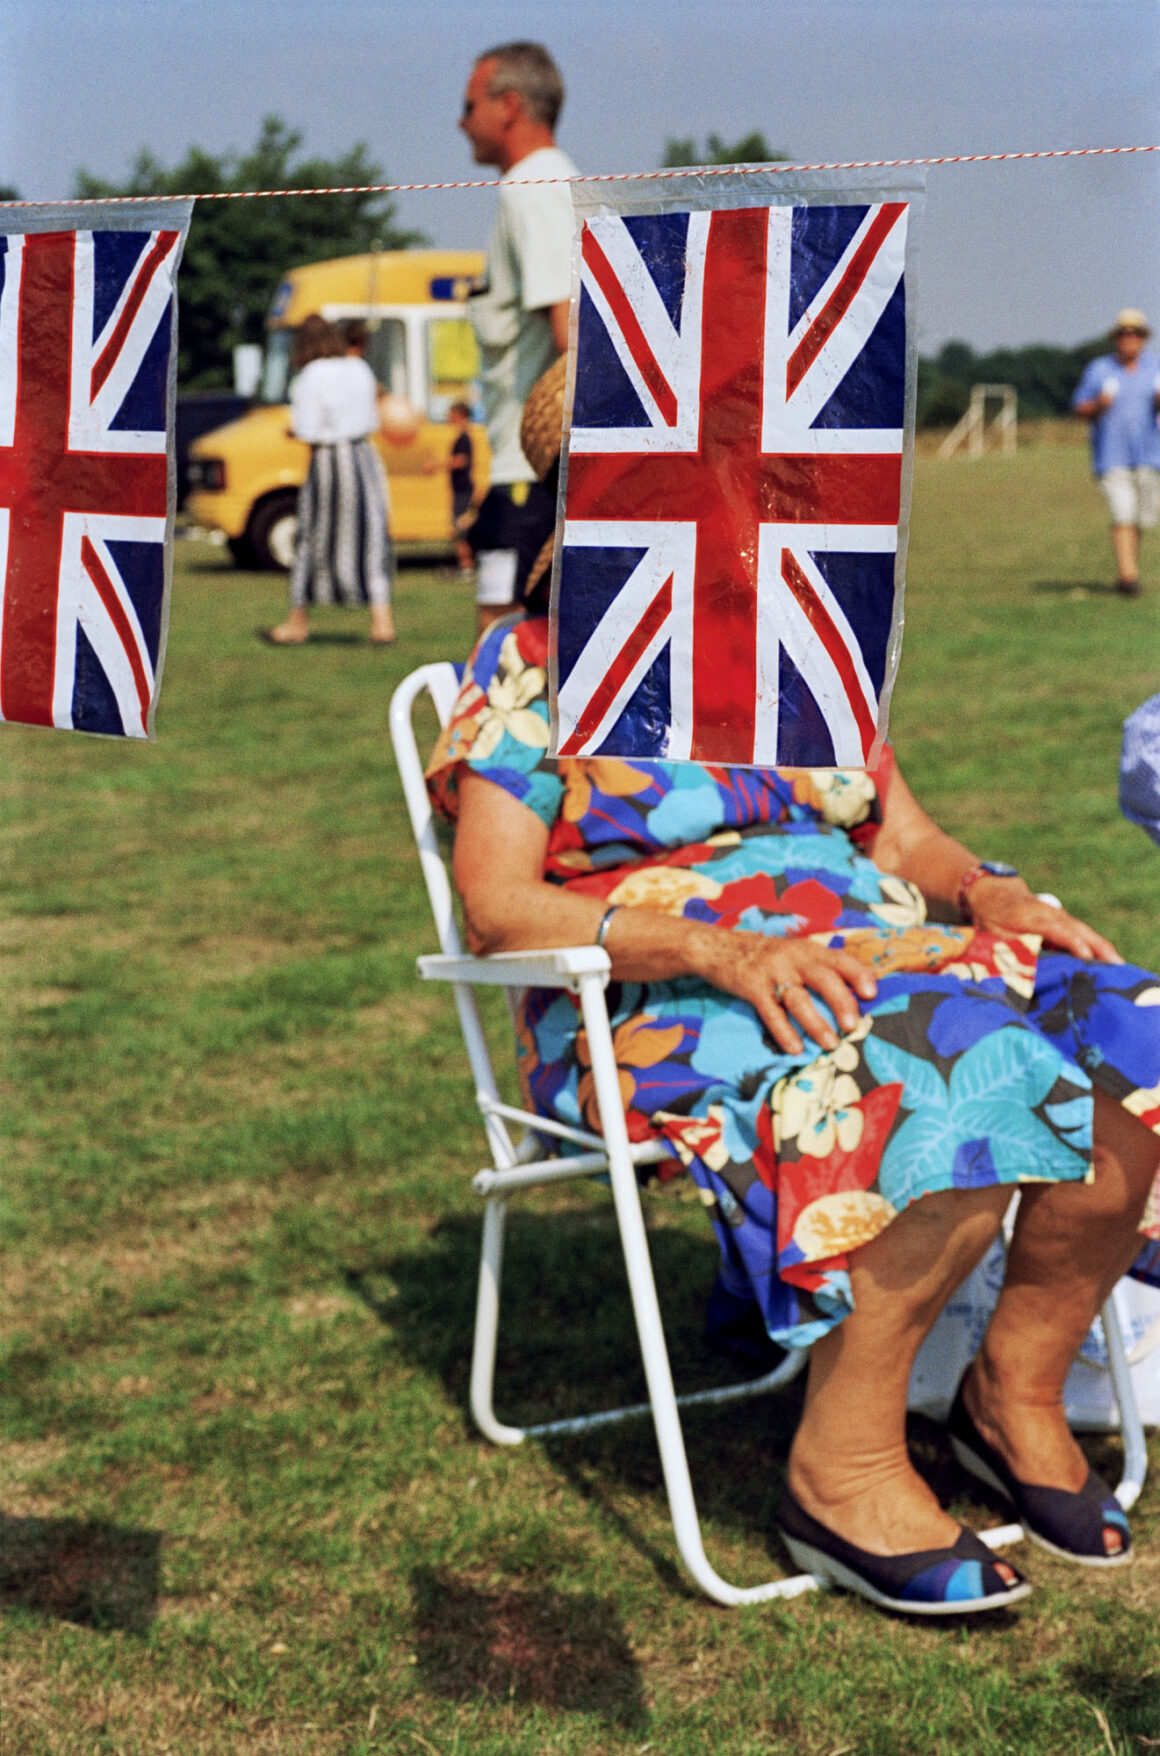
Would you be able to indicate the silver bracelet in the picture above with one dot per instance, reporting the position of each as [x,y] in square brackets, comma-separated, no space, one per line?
[605,923]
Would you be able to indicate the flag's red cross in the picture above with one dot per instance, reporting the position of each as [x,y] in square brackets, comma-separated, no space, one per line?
[728,485]
[41,479]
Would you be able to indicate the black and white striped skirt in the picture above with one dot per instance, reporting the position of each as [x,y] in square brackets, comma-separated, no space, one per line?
[343,551]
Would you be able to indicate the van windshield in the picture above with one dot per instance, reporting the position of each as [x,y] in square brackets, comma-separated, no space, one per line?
[386,357]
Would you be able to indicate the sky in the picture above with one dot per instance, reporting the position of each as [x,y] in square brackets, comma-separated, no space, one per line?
[1010,253]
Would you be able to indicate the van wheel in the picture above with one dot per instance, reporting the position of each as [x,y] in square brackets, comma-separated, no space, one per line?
[239,548]
[272,530]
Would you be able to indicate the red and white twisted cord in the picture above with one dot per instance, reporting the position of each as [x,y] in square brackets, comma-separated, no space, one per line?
[672,174]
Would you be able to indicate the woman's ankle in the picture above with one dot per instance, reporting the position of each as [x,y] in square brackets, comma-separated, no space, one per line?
[881,1505]
[1025,1421]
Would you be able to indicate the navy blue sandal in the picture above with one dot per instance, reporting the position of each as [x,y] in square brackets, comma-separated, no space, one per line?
[1065,1524]
[931,1582]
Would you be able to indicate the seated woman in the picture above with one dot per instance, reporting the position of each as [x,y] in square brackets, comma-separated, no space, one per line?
[856,1093]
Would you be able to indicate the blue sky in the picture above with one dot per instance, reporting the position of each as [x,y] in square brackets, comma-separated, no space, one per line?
[1011,253]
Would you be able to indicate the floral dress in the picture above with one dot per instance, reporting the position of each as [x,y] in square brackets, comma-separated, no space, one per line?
[974,1064]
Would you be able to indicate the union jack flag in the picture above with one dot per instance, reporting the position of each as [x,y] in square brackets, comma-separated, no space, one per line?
[87,331]
[734,486]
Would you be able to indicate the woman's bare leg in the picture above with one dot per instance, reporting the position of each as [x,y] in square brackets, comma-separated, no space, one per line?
[1072,1243]
[849,1466]
[382,624]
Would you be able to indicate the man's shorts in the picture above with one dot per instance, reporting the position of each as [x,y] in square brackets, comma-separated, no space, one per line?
[515,521]
[1133,495]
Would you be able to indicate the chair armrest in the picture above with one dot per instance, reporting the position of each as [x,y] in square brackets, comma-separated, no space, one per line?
[562,968]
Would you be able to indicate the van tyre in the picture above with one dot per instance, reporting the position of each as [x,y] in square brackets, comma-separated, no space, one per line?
[272,530]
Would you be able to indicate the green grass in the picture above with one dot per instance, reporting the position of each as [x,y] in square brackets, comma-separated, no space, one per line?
[242,1508]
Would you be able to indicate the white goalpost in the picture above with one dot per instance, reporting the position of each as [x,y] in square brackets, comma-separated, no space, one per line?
[975,429]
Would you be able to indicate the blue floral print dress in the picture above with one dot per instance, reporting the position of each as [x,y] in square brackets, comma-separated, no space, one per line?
[974,1064]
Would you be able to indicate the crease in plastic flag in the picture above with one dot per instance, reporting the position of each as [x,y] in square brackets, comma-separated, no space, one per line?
[88,349]
[735,485]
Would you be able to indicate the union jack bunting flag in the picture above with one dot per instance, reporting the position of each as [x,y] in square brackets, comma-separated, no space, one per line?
[87,338]
[734,485]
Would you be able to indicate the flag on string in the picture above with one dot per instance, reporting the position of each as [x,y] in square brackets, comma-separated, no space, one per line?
[728,587]
[88,334]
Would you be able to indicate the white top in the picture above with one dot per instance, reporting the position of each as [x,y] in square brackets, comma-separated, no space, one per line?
[529,268]
[334,399]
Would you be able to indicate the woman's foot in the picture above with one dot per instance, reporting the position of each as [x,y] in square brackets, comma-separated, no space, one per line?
[957,1578]
[294,631]
[886,1510]
[1029,1454]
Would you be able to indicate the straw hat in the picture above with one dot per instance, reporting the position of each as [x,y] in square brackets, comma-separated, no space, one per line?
[542,427]
[1130,318]
[541,436]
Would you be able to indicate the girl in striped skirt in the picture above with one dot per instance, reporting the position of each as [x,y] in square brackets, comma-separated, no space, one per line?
[343,552]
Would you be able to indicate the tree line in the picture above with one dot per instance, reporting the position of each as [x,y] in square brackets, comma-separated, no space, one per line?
[238,251]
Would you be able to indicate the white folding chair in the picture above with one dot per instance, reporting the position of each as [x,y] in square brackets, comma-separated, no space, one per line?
[584,971]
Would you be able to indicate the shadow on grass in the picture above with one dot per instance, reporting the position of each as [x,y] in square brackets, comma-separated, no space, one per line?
[1128,1702]
[1074,588]
[97,1575]
[319,637]
[568,1346]
[532,1645]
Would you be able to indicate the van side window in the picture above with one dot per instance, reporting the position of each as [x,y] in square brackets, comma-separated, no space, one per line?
[452,366]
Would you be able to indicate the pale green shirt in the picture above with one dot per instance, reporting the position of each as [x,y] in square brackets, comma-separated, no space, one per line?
[529,269]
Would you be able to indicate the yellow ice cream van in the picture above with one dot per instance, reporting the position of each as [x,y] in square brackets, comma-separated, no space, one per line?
[244,477]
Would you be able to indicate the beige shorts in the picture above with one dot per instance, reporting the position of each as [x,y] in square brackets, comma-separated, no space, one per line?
[495,577]
[1133,495]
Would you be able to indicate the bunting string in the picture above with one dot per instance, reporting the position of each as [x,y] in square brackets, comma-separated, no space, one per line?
[672,173]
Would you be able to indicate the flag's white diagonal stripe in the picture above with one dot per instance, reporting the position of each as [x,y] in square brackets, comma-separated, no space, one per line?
[856,325]
[677,353]
[13,260]
[5,526]
[670,550]
[625,260]
[90,417]
[781,622]
[622,350]
[80,606]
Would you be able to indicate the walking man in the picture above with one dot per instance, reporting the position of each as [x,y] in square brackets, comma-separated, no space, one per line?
[520,315]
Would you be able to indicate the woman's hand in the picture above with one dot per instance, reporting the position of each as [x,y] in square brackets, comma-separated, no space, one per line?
[499,858]
[913,847]
[780,977]
[1006,905]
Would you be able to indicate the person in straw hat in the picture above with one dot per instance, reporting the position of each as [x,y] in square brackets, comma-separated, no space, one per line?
[856,1092]
[1119,397]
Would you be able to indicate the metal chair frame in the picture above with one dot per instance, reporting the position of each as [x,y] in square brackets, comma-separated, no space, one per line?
[584,971]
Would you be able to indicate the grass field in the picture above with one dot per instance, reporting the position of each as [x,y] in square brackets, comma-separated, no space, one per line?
[242,1508]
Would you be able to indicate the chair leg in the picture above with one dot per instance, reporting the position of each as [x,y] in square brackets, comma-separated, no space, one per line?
[658,1373]
[1131,1427]
[487,1327]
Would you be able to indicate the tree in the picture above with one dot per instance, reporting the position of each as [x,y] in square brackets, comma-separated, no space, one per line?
[751,149]
[238,251]
[1045,377]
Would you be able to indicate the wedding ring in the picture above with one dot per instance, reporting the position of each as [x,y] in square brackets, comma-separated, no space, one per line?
[780,988]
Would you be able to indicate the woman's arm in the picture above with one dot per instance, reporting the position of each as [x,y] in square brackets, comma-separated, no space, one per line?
[912,846]
[500,847]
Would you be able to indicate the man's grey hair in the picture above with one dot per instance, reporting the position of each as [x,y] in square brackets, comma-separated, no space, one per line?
[529,71]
